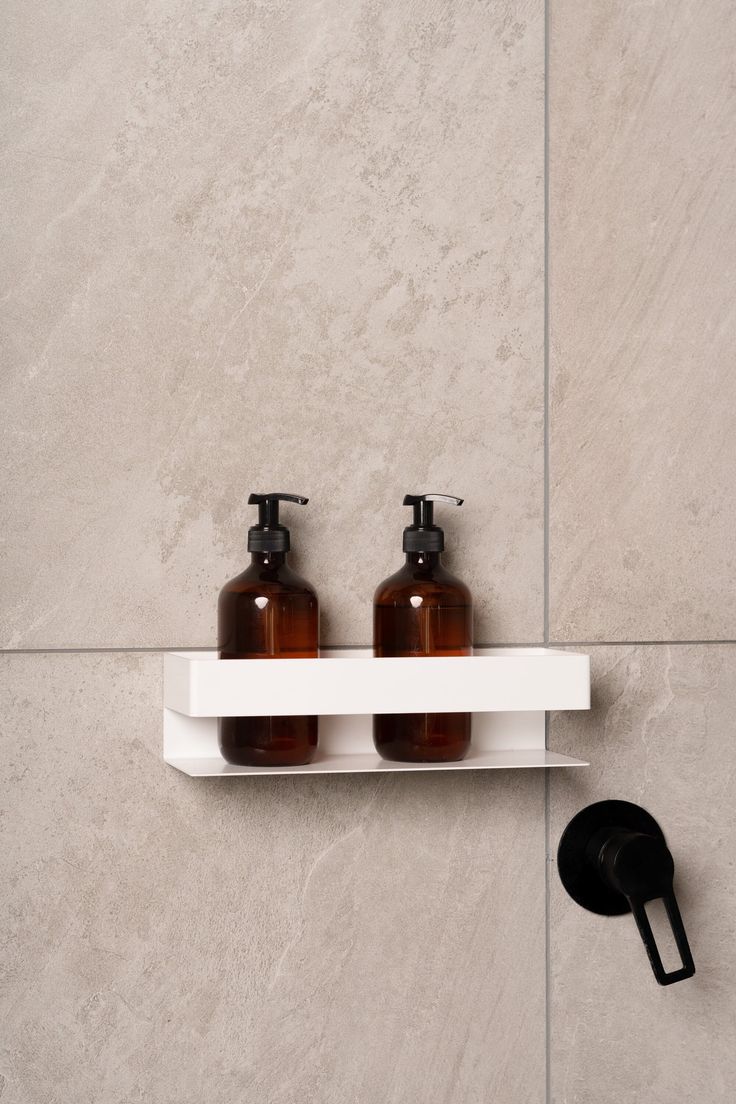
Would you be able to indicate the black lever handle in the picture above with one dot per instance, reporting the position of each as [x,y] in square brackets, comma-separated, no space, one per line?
[612,859]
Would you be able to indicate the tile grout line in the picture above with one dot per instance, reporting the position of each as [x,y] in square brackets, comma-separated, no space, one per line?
[545,339]
[104,651]
[547,966]
[627,643]
[547,933]
[348,647]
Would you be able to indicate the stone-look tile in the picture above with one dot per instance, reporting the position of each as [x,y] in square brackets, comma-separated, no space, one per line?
[372,939]
[660,734]
[642,242]
[292,246]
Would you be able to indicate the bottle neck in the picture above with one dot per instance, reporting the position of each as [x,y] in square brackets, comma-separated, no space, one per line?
[268,559]
[424,559]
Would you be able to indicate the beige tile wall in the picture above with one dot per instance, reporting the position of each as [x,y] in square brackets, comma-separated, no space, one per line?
[302,245]
[642,226]
[266,248]
[642,254]
[282,940]
[660,735]
[281,245]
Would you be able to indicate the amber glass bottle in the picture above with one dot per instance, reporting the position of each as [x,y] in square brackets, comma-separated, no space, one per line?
[268,612]
[423,610]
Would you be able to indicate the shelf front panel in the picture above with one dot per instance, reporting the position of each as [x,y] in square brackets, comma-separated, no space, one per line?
[198,684]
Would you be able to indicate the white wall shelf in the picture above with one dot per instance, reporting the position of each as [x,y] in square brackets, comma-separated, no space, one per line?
[508,691]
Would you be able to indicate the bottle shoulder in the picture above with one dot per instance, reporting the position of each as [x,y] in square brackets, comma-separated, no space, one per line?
[257,579]
[435,584]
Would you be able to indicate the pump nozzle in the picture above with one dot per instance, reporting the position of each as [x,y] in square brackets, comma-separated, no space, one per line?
[268,535]
[423,535]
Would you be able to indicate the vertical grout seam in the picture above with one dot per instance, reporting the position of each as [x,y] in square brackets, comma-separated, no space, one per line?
[545,444]
[547,937]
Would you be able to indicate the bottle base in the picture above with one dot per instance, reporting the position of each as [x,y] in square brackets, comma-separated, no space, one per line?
[422,737]
[268,741]
[419,756]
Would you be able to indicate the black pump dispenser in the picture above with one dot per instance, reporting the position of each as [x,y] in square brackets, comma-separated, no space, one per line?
[268,612]
[268,535]
[423,535]
[422,610]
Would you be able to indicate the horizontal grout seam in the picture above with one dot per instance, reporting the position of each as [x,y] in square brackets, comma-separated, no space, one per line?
[630,643]
[211,647]
[348,647]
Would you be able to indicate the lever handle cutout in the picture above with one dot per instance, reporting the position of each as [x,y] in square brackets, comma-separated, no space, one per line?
[665,977]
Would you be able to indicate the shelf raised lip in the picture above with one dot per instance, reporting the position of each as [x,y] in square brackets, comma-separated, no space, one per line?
[352,682]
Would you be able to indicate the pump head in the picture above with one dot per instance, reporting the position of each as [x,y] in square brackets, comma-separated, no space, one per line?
[423,535]
[268,535]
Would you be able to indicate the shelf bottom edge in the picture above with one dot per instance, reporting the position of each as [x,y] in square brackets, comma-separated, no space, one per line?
[215,767]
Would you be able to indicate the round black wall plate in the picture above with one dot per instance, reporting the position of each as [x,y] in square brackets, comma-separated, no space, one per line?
[578,872]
